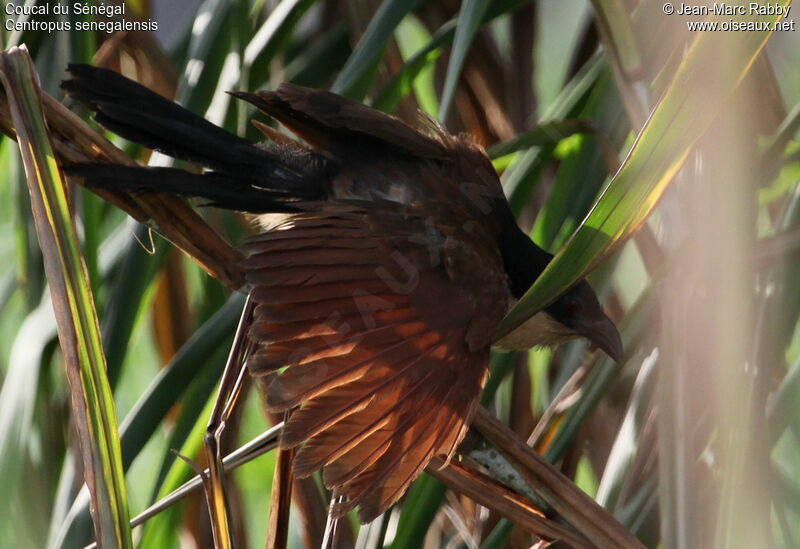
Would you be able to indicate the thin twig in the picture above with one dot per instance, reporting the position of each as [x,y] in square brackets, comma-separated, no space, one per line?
[258,446]
[281,498]
[332,526]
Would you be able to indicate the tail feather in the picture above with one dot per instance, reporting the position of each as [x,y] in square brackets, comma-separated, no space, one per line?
[141,115]
[222,190]
[246,177]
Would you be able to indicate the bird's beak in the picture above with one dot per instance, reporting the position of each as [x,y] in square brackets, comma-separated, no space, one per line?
[604,334]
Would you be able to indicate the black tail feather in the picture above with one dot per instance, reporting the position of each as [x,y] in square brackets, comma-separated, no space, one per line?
[141,115]
[246,177]
[223,191]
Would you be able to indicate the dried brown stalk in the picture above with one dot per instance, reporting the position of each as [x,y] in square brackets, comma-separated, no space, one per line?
[491,494]
[567,499]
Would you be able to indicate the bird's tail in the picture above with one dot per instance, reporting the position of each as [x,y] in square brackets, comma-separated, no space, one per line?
[244,176]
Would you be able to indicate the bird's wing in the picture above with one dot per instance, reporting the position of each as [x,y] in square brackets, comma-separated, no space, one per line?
[374,326]
[341,126]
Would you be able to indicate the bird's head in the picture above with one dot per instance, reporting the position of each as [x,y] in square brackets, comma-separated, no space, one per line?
[576,313]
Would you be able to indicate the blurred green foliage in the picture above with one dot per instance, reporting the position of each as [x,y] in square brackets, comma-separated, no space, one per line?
[558,96]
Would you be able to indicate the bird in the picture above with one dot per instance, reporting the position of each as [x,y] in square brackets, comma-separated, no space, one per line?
[386,256]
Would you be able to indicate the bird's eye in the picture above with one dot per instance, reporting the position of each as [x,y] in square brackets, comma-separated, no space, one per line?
[572,307]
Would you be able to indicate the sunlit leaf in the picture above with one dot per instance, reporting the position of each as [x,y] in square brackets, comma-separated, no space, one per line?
[93,407]
[694,98]
[199,358]
[519,180]
[548,133]
[411,38]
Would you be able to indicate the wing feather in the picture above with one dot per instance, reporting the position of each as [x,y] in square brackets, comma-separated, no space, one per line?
[314,378]
[382,358]
[340,126]
[385,380]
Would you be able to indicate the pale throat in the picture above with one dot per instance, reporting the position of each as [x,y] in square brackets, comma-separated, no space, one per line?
[539,330]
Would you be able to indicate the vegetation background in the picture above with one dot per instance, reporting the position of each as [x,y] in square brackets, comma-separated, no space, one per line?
[693,442]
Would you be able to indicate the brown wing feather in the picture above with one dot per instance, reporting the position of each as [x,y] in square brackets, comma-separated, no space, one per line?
[377,488]
[341,439]
[387,380]
[302,350]
[339,125]
[318,292]
[382,359]
[313,378]
[350,460]
[335,324]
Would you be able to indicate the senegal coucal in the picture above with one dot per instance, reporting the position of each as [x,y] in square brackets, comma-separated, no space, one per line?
[387,257]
